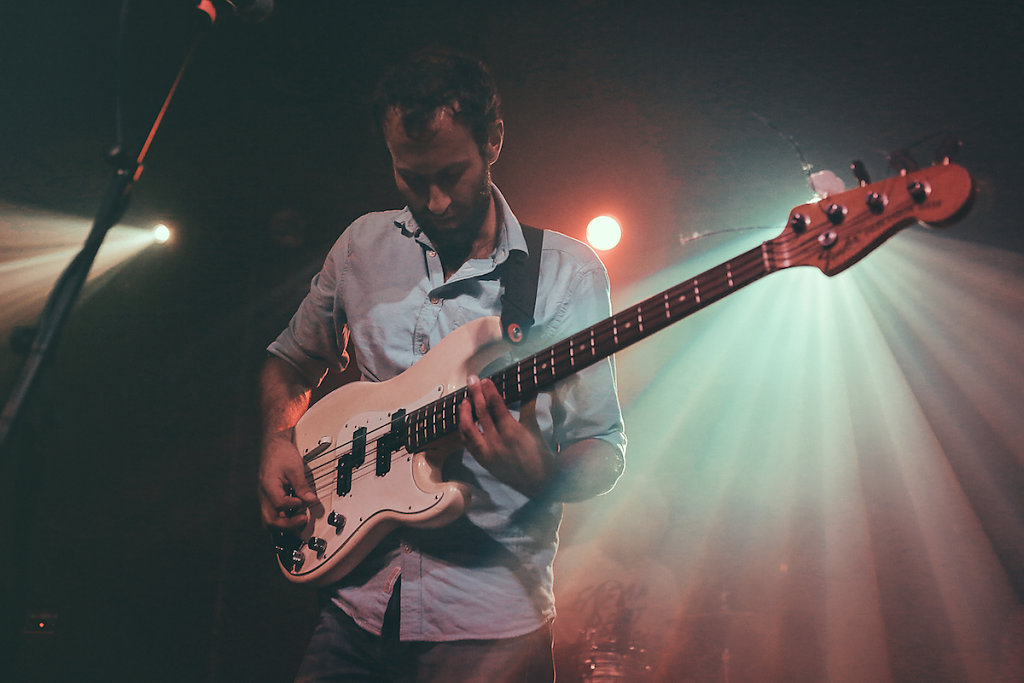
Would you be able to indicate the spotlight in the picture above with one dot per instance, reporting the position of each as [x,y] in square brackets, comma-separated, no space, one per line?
[603,233]
[161,234]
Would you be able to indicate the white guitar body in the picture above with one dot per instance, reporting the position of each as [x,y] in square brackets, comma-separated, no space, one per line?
[412,493]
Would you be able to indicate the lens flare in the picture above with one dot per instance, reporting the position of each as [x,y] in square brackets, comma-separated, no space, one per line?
[603,233]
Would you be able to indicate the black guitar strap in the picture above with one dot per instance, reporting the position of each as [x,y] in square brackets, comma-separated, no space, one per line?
[519,278]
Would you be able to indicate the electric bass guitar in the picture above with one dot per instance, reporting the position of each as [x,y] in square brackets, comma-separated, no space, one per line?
[374,451]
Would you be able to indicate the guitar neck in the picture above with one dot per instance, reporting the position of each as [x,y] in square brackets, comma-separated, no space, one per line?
[522,380]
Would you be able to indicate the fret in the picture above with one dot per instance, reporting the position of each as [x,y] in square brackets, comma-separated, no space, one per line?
[453,409]
[681,299]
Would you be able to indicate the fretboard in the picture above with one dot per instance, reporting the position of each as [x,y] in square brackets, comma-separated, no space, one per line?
[522,380]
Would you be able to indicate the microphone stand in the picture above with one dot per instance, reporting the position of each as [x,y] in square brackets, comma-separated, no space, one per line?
[69,284]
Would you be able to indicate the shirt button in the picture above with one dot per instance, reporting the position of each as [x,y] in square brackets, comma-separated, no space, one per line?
[406,548]
[435,300]
[431,253]
[423,347]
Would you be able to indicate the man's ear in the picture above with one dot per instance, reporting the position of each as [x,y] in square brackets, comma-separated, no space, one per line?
[495,136]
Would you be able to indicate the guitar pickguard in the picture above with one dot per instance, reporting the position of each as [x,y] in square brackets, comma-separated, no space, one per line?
[412,491]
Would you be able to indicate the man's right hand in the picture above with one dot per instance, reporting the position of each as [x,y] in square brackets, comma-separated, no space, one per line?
[284,492]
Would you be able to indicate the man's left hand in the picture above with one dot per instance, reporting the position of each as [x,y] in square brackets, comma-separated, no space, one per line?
[512,450]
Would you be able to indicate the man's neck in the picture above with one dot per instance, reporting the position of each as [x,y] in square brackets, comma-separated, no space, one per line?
[454,255]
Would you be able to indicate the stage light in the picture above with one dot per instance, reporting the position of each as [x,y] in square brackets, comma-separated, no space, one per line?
[161,234]
[36,246]
[603,233]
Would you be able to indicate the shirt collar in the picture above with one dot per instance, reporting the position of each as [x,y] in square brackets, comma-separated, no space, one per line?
[510,231]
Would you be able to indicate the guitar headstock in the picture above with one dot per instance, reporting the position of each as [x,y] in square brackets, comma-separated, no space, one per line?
[837,231]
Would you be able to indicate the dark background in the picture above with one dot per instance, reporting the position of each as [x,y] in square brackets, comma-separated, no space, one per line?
[130,516]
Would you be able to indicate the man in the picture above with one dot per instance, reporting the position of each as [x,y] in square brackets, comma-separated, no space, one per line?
[470,601]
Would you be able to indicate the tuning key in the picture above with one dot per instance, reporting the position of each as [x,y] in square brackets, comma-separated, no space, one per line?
[901,162]
[828,239]
[799,222]
[876,202]
[860,173]
[918,191]
[836,213]
[947,149]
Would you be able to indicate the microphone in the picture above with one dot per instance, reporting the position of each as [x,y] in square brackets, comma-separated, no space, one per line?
[251,11]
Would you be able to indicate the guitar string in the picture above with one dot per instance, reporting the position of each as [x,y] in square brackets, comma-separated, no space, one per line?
[749,267]
[603,333]
[560,353]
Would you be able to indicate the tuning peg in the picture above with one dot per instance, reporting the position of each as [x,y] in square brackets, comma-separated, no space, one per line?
[947,149]
[901,162]
[860,173]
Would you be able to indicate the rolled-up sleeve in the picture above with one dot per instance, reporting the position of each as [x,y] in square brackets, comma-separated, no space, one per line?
[315,339]
[585,405]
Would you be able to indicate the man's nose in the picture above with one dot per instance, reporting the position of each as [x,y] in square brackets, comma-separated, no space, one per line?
[439,201]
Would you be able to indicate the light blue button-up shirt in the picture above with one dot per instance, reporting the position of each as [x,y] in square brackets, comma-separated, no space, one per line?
[487,574]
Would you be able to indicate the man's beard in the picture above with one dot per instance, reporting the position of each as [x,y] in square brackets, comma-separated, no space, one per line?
[457,241]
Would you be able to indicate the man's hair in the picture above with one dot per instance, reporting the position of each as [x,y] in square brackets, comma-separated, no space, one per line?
[429,80]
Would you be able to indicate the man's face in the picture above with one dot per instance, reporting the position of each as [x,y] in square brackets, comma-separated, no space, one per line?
[444,175]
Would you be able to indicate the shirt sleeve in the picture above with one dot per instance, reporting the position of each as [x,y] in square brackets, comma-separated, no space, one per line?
[585,405]
[314,341]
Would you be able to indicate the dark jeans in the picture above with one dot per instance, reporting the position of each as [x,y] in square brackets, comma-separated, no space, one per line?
[341,651]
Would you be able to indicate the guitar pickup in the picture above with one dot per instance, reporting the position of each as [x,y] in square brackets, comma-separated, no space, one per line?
[391,442]
[384,452]
[358,456]
[351,460]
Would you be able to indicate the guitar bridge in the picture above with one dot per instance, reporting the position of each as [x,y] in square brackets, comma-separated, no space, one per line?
[322,445]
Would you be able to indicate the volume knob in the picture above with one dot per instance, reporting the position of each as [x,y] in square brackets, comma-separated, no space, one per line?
[317,545]
[336,520]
